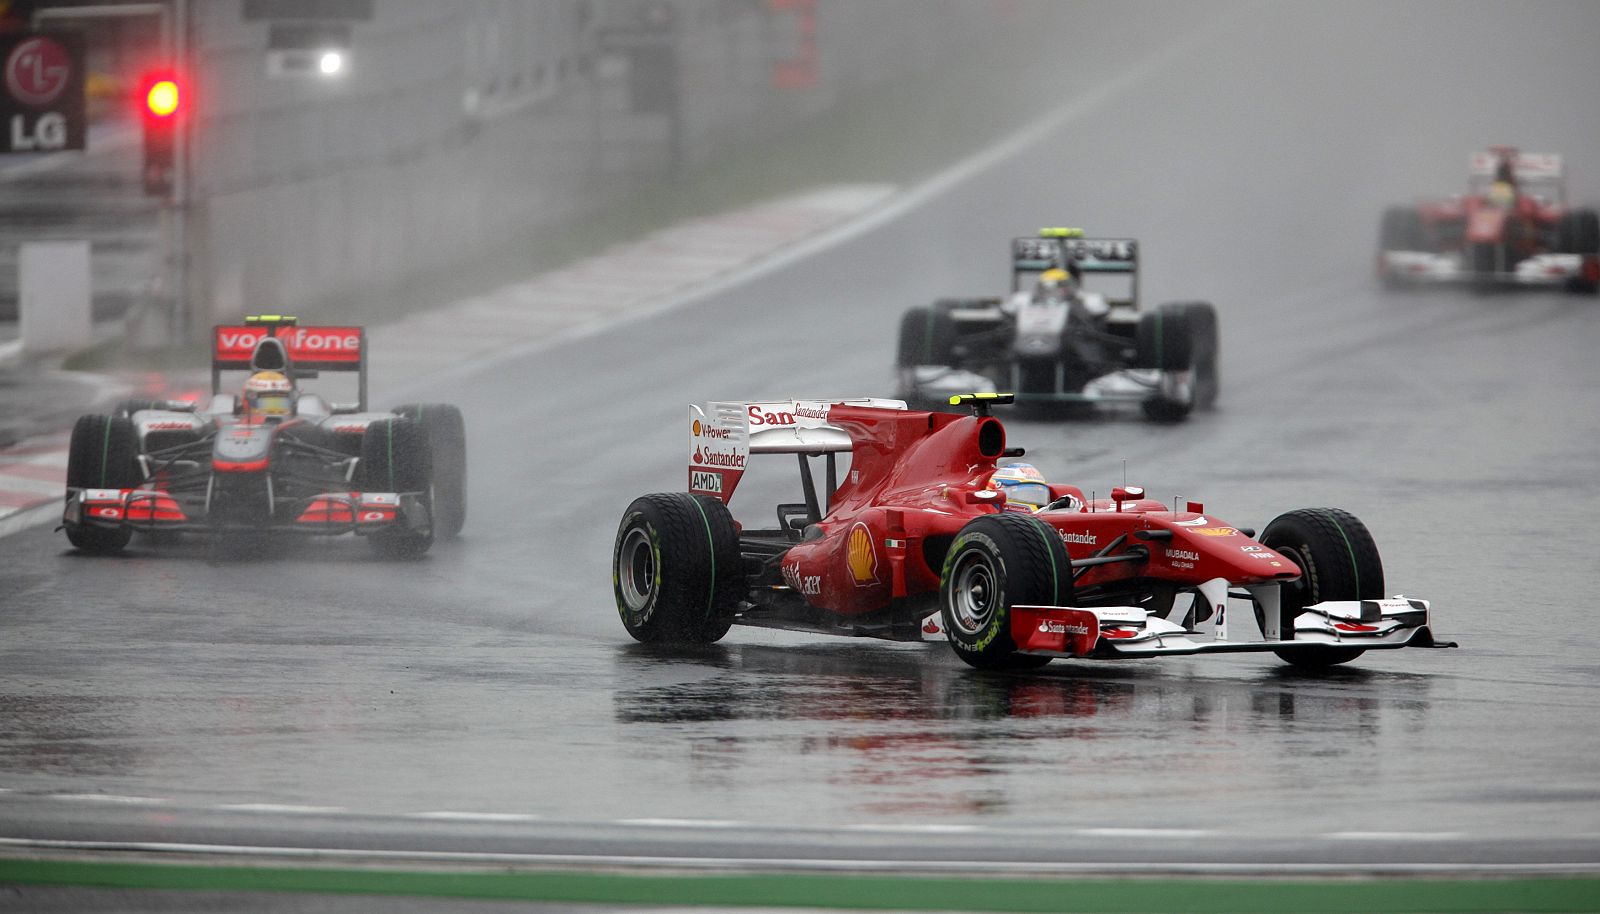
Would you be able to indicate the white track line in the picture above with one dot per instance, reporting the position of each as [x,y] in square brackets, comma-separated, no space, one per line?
[445,815]
[685,823]
[1147,832]
[111,798]
[281,807]
[989,867]
[1417,836]
[932,828]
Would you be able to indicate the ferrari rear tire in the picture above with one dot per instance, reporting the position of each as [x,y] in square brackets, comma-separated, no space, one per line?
[446,432]
[395,458]
[997,562]
[102,454]
[1338,561]
[676,569]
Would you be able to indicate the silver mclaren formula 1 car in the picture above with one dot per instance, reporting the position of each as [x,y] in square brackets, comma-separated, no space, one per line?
[272,459]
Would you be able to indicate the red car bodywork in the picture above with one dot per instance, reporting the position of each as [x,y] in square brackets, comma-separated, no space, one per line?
[917,478]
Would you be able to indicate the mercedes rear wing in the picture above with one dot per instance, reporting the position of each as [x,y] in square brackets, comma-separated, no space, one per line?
[1064,248]
[724,434]
[299,351]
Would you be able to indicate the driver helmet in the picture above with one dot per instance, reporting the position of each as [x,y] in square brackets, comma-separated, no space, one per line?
[1054,284]
[1024,486]
[1502,193]
[269,393]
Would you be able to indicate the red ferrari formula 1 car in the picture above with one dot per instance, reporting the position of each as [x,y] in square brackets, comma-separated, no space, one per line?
[274,458]
[1513,227]
[914,541]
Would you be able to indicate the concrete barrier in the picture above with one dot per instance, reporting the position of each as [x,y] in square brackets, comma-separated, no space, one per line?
[54,296]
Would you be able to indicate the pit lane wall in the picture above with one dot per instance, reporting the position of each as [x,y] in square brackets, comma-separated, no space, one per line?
[459,124]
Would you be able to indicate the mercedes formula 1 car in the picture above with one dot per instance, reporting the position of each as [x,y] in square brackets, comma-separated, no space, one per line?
[1513,227]
[1070,332]
[911,541]
[274,459]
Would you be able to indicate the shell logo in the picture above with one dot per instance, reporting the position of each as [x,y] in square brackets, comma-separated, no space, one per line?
[860,555]
[697,428]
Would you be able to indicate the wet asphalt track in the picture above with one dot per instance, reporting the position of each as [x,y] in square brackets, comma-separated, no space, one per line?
[486,700]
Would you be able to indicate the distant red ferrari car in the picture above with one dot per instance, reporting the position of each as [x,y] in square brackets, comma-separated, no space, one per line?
[913,541]
[1513,227]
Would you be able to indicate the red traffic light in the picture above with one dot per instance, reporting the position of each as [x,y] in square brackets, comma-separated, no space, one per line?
[162,98]
[162,95]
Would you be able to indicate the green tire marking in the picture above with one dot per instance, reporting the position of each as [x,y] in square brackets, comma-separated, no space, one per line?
[1349,550]
[1055,577]
[1151,895]
[105,455]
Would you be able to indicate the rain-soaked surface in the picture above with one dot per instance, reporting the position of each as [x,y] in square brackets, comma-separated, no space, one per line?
[494,676]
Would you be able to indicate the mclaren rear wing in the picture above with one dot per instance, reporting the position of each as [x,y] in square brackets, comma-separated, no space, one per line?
[724,434]
[308,350]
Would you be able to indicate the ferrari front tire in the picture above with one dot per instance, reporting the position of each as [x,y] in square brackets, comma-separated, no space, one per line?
[997,562]
[676,569]
[1338,561]
[1579,233]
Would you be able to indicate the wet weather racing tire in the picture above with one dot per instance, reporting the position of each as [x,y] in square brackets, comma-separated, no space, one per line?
[1401,230]
[1207,346]
[395,458]
[102,454]
[1579,233]
[927,337]
[1165,340]
[1338,561]
[995,563]
[446,432]
[676,569]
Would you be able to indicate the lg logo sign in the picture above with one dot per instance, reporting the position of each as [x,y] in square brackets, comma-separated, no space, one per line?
[43,105]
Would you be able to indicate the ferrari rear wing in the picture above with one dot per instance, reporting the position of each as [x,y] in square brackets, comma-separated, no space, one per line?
[725,433]
[1525,166]
[235,347]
